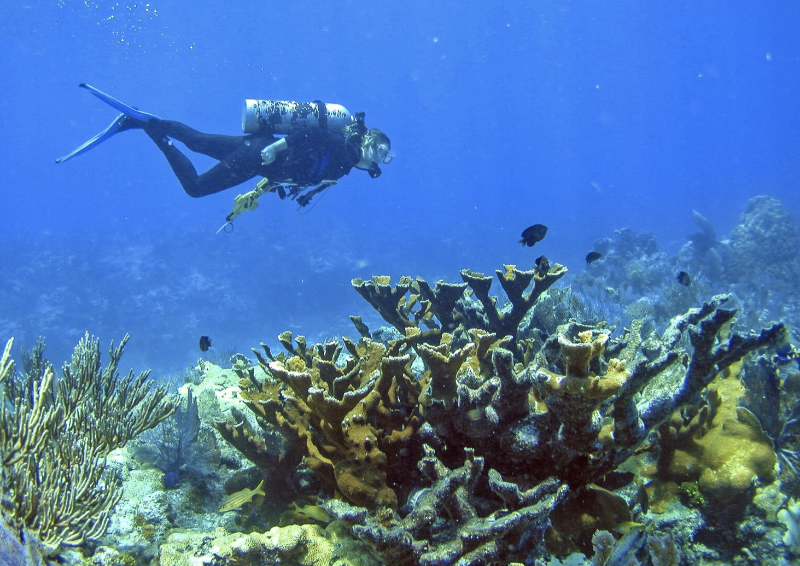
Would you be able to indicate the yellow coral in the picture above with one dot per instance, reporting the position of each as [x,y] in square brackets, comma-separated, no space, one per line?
[349,419]
[722,448]
[578,380]
[735,451]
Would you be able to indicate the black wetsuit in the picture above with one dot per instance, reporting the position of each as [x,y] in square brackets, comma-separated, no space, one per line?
[312,155]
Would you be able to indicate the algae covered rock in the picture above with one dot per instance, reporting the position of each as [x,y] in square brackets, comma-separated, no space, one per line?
[295,544]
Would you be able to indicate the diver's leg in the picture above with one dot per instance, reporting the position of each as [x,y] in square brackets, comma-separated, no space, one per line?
[236,167]
[183,168]
[213,145]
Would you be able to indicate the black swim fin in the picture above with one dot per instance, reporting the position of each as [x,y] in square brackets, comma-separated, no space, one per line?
[121,123]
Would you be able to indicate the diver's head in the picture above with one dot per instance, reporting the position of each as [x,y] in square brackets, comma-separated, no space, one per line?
[376,148]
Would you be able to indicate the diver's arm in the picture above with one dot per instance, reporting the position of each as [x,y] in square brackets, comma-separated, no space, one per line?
[269,153]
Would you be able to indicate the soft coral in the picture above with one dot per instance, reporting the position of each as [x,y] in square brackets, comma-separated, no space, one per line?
[179,444]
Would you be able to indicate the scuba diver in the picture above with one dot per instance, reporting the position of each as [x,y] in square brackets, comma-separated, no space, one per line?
[321,143]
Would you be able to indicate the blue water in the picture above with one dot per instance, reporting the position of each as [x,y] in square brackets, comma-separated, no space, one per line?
[585,117]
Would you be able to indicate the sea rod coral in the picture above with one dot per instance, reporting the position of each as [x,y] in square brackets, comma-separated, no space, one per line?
[55,433]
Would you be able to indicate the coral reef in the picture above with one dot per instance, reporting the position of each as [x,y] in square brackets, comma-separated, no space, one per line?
[474,430]
[469,538]
[179,445]
[765,243]
[55,434]
[539,414]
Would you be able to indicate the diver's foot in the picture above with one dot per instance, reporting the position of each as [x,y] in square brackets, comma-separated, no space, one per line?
[156,129]
[131,118]
[125,122]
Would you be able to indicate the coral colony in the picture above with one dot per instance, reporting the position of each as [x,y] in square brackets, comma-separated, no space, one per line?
[594,425]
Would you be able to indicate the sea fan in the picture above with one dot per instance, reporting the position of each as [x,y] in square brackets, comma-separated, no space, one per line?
[778,412]
[179,445]
[787,447]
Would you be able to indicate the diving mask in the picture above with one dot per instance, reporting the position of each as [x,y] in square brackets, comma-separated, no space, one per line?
[382,154]
[376,155]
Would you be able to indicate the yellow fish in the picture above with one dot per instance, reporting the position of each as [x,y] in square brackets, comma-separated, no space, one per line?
[313,512]
[236,500]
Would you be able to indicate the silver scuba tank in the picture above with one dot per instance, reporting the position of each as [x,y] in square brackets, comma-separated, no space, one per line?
[285,116]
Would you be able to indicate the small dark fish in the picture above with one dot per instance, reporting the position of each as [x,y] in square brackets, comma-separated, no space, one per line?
[205,343]
[786,353]
[542,265]
[592,257]
[644,499]
[684,278]
[533,234]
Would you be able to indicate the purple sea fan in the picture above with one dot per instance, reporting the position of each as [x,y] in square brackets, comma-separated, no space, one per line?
[179,445]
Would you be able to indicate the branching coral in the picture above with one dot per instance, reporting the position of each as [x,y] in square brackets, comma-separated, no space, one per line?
[445,301]
[351,419]
[470,538]
[570,410]
[55,434]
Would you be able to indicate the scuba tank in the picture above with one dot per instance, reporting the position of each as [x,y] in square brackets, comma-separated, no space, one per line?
[285,116]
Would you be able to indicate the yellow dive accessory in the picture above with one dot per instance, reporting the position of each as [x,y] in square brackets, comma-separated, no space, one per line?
[247,201]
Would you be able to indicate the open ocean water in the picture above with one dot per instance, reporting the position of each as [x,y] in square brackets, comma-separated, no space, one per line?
[586,117]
